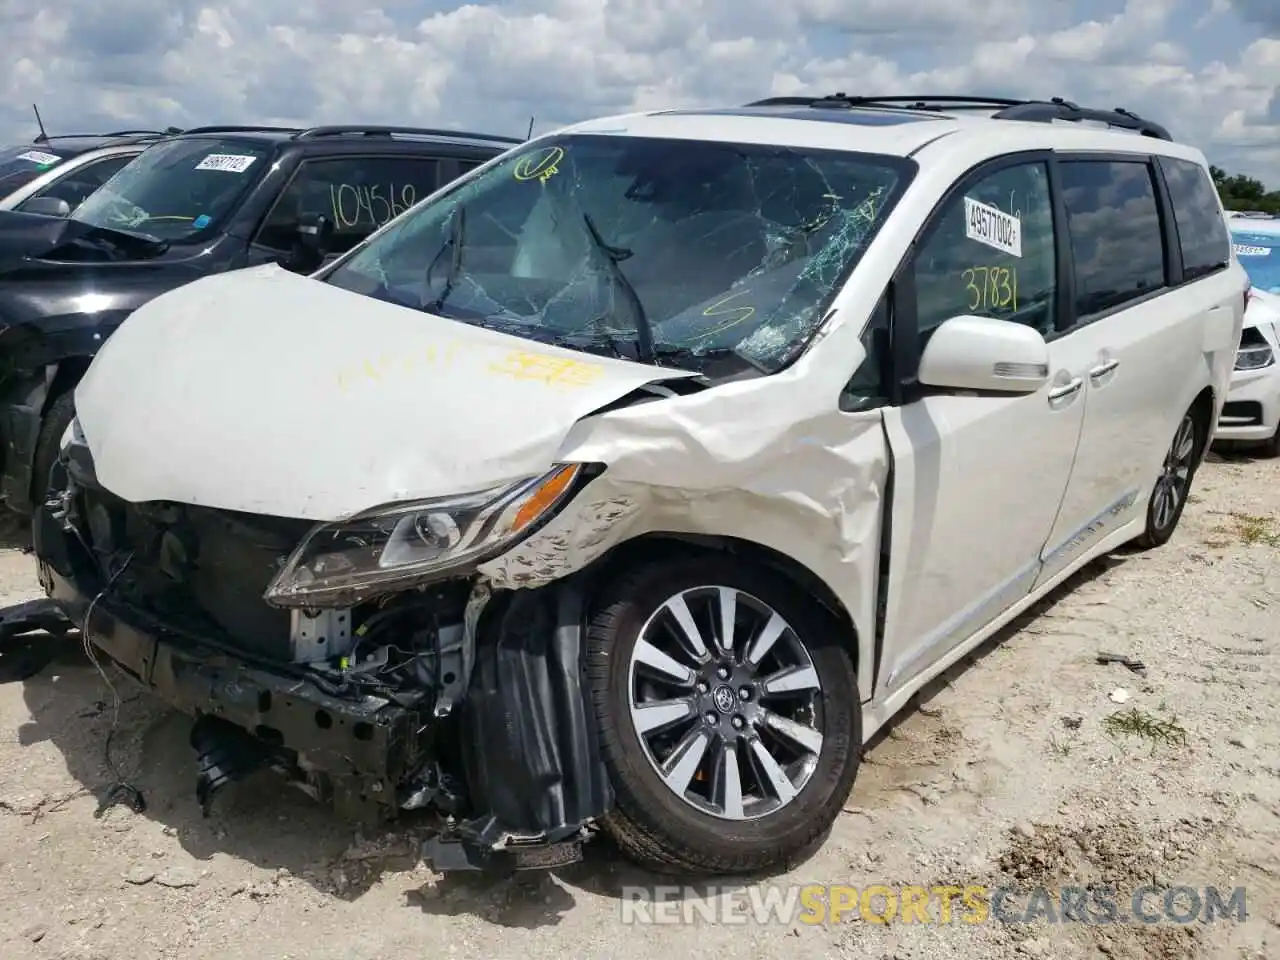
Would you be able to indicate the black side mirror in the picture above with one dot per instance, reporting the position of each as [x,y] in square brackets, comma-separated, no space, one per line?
[311,244]
[46,206]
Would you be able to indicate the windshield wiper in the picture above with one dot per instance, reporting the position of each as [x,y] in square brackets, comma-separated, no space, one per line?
[713,355]
[611,256]
[455,239]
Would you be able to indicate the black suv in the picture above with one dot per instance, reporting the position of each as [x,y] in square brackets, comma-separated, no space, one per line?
[73,165]
[206,201]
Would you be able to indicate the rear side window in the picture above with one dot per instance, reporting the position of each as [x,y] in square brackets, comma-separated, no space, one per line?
[1202,228]
[1114,225]
[357,194]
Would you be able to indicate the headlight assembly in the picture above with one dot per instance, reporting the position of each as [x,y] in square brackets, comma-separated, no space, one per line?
[397,545]
[1254,353]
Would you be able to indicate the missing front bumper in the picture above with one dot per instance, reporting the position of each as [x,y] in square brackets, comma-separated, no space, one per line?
[515,768]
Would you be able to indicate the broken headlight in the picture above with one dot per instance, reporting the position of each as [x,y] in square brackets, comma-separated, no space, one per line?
[1255,352]
[394,546]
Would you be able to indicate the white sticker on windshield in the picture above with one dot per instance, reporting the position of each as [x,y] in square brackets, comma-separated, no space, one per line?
[992,227]
[1243,250]
[226,162]
[36,156]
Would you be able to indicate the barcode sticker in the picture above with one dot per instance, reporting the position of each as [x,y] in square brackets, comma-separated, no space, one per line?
[43,159]
[226,162]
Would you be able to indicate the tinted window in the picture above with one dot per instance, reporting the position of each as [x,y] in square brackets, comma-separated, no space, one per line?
[1114,225]
[723,252]
[21,165]
[869,385]
[179,190]
[1202,227]
[991,253]
[356,194]
[76,185]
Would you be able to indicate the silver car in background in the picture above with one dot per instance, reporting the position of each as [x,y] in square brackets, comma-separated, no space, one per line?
[53,175]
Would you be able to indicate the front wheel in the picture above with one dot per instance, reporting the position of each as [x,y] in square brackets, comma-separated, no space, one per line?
[1173,485]
[729,716]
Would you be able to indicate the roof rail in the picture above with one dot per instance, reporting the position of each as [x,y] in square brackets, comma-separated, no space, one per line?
[240,128]
[143,133]
[365,130]
[45,138]
[842,101]
[1034,111]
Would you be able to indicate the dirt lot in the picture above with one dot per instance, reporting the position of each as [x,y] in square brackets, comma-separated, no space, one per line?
[1020,767]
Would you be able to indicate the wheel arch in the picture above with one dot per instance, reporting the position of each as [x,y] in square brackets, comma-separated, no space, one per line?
[653,546]
[1202,408]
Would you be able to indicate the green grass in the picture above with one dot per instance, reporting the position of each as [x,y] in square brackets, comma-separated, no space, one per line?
[1138,723]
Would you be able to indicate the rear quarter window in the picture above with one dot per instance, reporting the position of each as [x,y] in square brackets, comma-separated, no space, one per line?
[1197,213]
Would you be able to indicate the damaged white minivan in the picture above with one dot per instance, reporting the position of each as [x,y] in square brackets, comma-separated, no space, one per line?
[637,478]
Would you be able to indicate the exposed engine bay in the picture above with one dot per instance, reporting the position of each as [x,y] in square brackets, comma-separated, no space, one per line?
[448,697]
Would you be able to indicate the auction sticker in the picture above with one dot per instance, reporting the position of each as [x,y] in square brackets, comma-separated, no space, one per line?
[226,162]
[992,227]
[38,156]
[1244,250]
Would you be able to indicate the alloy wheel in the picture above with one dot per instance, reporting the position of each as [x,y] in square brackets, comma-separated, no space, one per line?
[726,703]
[1175,476]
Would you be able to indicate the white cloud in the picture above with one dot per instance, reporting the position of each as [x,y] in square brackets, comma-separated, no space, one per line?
[96,64]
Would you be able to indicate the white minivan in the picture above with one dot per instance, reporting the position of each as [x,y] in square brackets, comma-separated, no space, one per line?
[641,475]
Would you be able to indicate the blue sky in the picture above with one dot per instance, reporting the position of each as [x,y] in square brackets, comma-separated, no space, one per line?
[1208,69]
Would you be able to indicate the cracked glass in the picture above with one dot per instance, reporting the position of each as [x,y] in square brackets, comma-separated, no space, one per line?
[177,191]
[692,253]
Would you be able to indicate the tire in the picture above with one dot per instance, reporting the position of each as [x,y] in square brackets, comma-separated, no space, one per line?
[1272,447]
[56,420]
[701,830]
[1176,475]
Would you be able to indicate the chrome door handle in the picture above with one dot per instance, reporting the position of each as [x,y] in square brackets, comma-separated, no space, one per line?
[1072,386]
[1102,369]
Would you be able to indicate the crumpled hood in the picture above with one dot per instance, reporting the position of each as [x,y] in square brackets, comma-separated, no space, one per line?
[266,392]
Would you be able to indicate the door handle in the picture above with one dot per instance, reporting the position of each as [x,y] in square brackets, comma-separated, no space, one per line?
[1068,389]
[1102,369]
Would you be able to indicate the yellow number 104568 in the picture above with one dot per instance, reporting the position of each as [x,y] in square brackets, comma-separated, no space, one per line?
[991,288]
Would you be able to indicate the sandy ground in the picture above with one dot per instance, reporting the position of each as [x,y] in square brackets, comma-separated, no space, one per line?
[1007,772]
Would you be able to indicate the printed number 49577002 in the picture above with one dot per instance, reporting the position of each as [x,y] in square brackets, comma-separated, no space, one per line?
[992,288]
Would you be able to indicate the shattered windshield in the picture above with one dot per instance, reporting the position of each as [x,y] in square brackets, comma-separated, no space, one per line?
[667,251]
[176,190]
[20,165]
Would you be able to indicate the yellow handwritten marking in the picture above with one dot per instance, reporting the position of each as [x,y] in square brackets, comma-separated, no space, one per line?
[733,314]
[553,371]
[354,206]
[823,217]
[991,288]
[378,369]
[540,165]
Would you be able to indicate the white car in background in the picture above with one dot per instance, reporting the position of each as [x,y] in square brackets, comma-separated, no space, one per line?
[1252,412]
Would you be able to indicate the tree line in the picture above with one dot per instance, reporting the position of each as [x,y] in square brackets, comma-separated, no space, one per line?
[1239,192]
